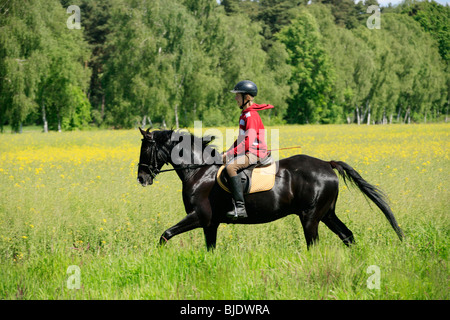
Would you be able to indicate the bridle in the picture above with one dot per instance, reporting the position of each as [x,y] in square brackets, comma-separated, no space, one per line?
[153,166]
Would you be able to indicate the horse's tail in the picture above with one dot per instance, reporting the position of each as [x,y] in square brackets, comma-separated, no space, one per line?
[372,192]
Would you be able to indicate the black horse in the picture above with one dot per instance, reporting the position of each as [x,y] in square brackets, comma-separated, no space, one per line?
[305,186]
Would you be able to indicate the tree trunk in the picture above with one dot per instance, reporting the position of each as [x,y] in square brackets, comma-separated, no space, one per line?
[150,121]
[59,122]
[195,111]
[407,116]
[368,115]
[185,115]
[44,117]
[358,117]
[366,111]
[399,113]
[103,107]
[1,123]
[176,116]
[446,114]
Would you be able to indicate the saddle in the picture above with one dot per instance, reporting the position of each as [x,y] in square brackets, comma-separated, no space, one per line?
[257,177]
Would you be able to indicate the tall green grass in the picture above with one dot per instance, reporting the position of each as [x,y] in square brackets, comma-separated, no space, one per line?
[73,199]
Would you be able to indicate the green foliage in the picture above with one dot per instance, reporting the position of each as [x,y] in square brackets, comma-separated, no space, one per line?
[79,115]
[19,63]
[40,61]
[311,79]
[351,59]
[174,62]
[180,61]
[347,13]
[412,74]
[434,19]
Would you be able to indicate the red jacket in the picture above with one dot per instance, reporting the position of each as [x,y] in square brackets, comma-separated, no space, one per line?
[251,133]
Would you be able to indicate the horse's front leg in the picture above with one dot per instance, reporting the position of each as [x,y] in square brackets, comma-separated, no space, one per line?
[210,236]
[191,221]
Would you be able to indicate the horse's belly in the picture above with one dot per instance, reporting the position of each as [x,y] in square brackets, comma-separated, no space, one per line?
[258,217]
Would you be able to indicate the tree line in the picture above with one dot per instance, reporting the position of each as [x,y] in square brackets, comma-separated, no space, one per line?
[171,62]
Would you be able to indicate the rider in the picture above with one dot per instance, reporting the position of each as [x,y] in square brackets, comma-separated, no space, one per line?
[249,148]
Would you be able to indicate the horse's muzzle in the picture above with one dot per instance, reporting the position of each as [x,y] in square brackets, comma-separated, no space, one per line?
[145,180]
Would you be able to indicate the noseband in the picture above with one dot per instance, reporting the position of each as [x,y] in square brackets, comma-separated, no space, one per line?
[153,171]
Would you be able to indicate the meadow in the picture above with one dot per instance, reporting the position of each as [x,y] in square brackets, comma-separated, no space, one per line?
[72,198]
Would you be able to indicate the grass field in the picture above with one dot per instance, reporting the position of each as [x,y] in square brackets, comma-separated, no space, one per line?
[73,199]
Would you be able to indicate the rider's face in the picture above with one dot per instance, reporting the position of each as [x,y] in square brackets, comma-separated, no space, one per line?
[238,99]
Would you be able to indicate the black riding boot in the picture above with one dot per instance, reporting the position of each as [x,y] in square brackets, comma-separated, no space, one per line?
[237,193]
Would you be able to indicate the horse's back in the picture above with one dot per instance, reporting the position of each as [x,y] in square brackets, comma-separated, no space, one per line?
[307,165]
[310,179]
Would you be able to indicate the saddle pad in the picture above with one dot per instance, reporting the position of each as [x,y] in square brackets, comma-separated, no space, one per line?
[263,179]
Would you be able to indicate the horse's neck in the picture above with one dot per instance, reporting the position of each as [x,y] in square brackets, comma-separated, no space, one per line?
[185,171]
[182,167]
[182,171]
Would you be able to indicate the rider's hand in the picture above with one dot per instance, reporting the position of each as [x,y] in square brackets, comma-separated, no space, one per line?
[224,158]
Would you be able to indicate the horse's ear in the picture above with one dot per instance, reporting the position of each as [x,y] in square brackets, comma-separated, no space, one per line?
[148,130]
[142,131]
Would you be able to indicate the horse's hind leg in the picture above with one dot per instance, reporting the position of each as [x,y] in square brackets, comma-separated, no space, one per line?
[338,227]
[310,229]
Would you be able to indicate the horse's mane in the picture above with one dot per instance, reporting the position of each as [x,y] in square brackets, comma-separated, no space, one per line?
[163,138]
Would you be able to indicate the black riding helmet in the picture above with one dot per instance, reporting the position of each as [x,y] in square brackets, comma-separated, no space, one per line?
[246,87]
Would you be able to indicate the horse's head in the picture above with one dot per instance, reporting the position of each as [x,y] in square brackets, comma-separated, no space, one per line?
[152,156]
[161,147]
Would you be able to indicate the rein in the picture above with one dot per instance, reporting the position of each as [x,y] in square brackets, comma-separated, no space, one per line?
[194,166]
[154,171]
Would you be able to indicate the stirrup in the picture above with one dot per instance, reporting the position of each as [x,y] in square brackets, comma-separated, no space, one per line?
[237,215]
